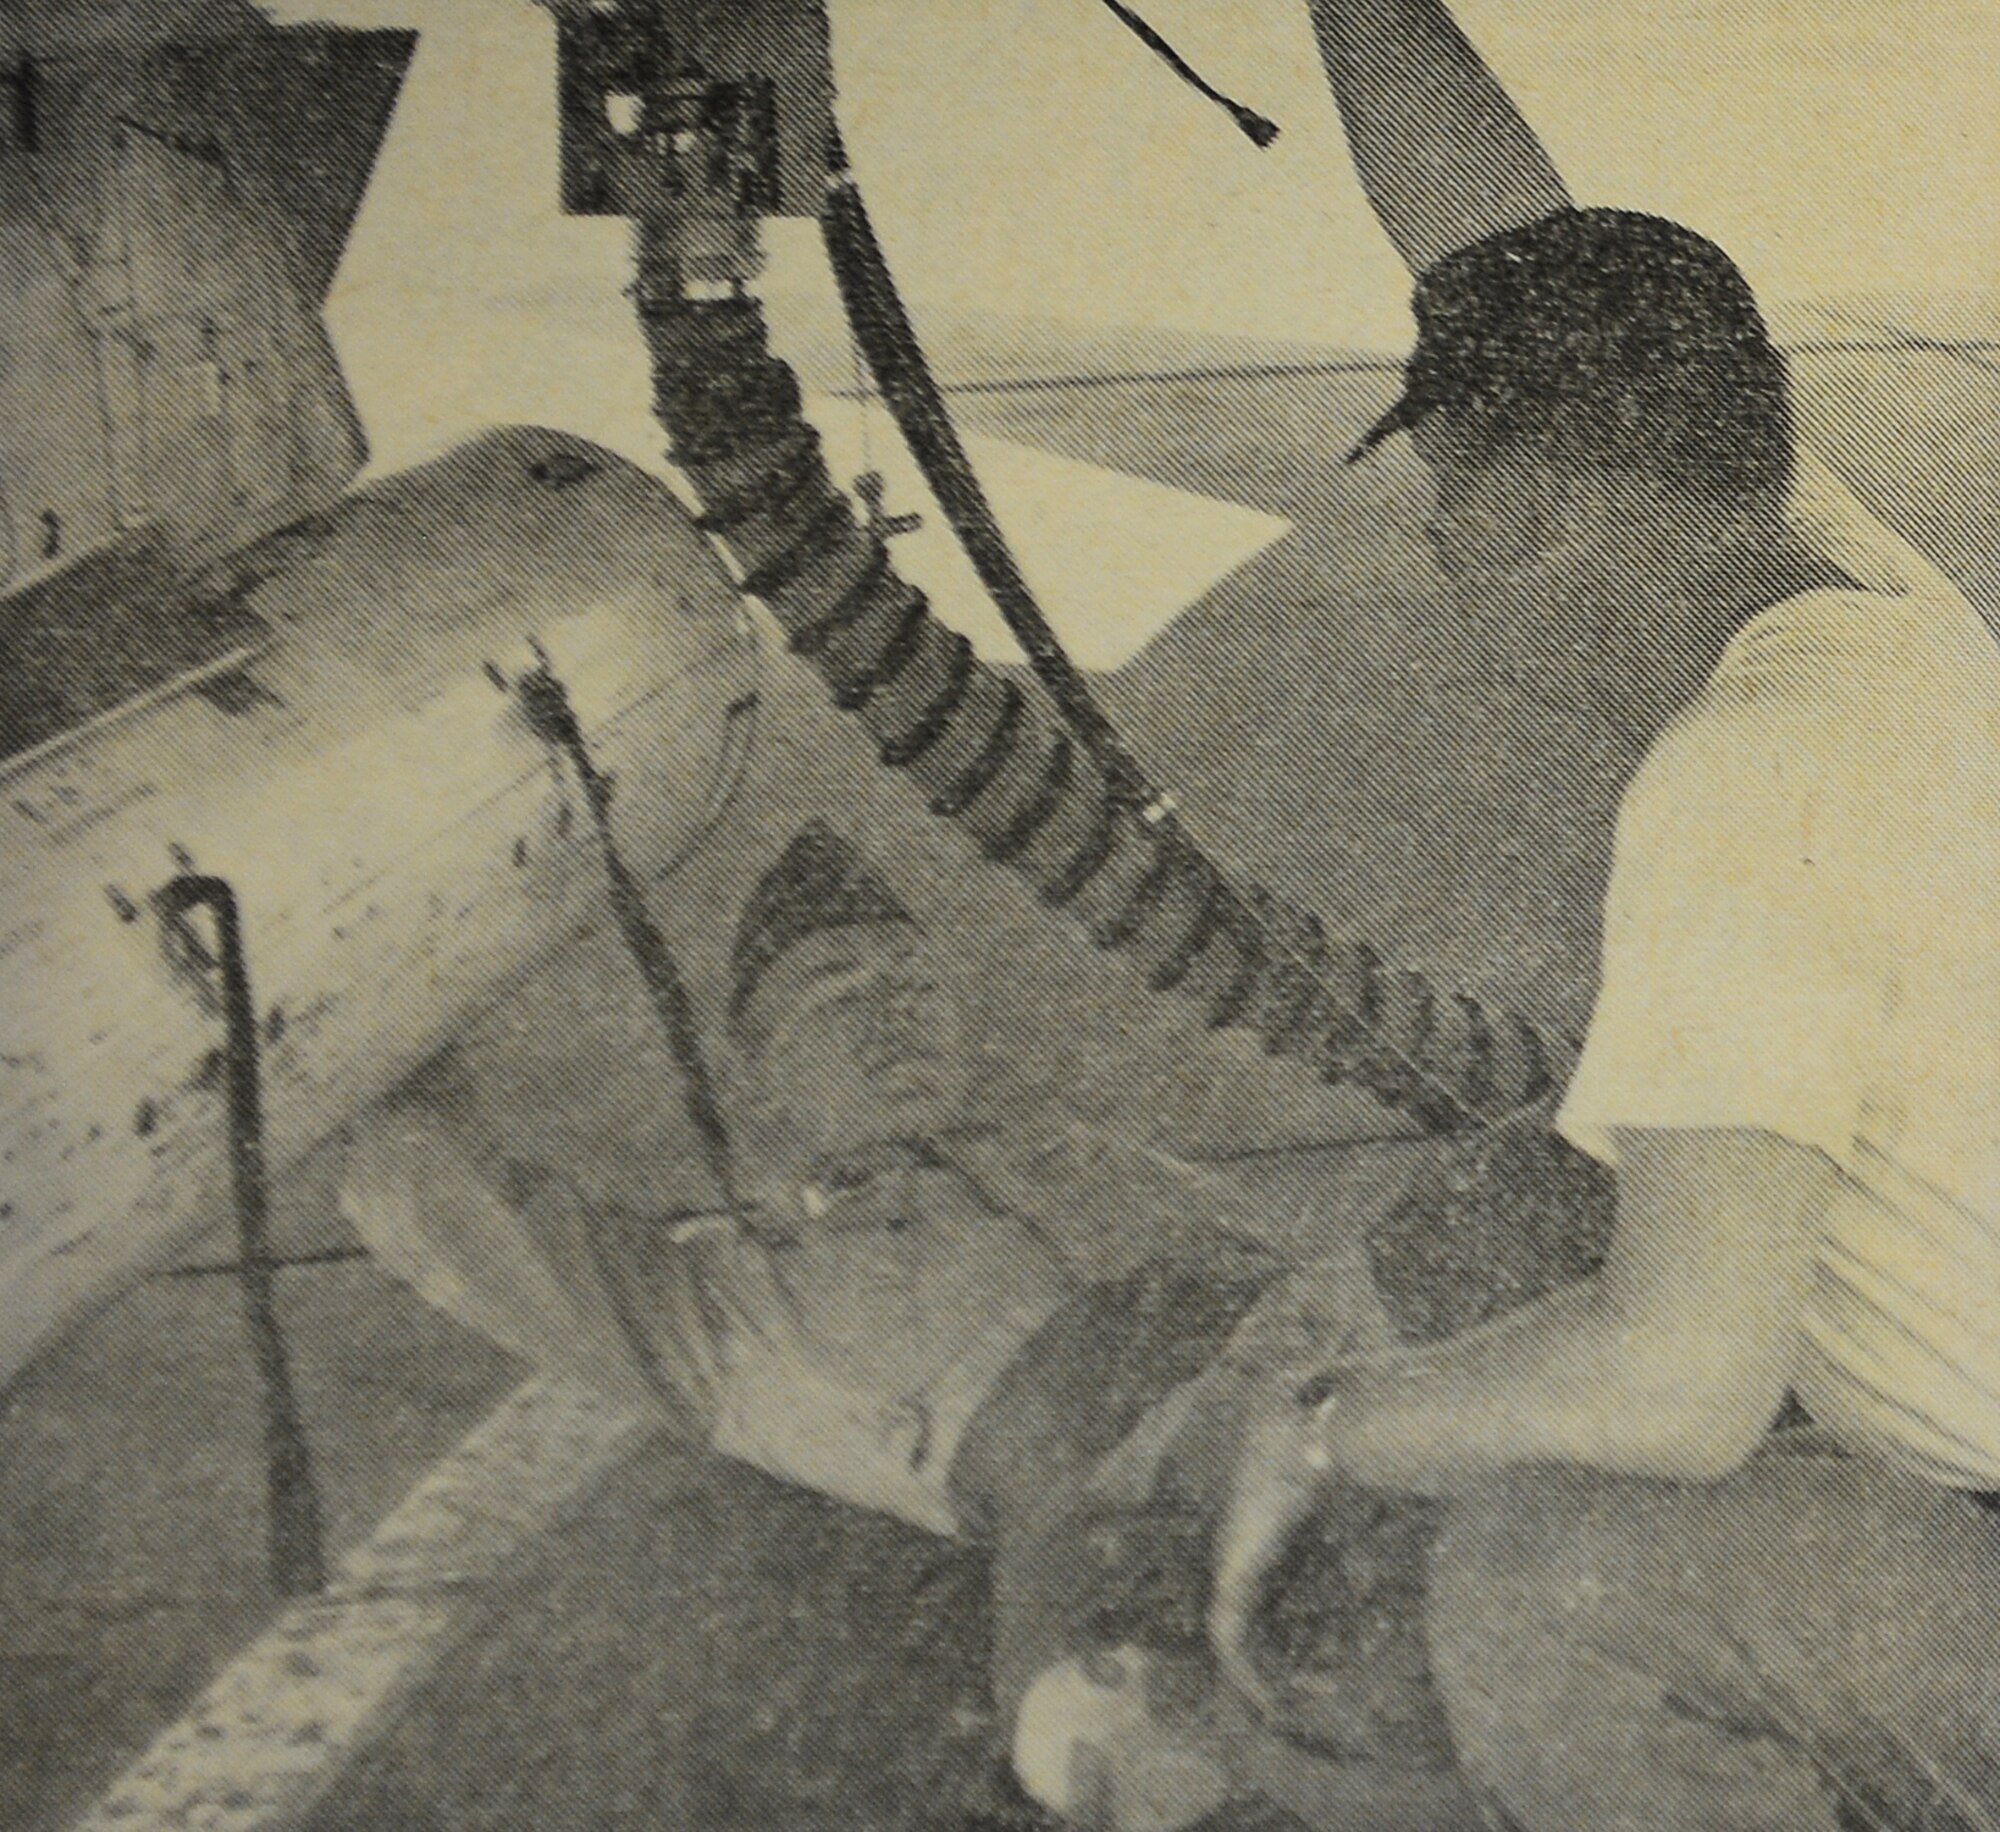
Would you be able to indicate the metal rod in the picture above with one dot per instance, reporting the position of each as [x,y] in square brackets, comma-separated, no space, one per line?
[296,1534]
[546,701]
[331,1256]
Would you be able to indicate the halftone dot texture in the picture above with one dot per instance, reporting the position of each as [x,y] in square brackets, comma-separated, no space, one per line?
[818,882]
[1626,339]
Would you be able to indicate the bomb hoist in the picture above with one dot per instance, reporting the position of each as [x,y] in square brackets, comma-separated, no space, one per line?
[1042,783]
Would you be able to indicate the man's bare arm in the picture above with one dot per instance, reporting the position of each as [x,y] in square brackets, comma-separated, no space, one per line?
[1669,1362]
[1443,155]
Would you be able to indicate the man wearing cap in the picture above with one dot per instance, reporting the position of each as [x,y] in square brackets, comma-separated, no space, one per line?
[1045,1341]
[1647,1608]
[913,1309]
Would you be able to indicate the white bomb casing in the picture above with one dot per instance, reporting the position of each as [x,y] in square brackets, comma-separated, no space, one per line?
[402,846]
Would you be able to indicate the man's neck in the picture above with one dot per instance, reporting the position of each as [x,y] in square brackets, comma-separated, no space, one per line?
[810,1188]
[1662,650]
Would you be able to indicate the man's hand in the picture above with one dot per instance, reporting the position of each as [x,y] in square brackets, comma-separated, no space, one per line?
[1282,1477]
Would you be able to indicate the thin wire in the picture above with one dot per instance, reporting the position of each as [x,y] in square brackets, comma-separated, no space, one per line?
[1259,129]
[864,394]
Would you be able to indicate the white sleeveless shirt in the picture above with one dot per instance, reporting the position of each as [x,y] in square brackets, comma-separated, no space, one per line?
[1802,936]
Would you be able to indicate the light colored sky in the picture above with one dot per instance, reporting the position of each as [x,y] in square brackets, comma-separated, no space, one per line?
[1027,155]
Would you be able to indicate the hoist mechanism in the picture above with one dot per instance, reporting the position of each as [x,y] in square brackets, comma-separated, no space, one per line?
[674,132]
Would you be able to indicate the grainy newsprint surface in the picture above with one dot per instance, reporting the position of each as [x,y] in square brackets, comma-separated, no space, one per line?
[991,916]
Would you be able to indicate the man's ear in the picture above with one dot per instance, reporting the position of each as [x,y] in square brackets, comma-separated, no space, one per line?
[1570,505]
[736,1076]
[761,1125]
[754,1112]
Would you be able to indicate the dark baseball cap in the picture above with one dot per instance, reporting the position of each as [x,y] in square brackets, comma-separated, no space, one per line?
[1544,324]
